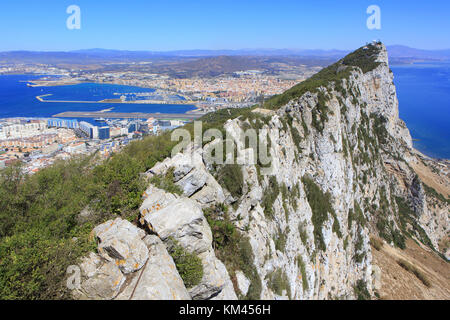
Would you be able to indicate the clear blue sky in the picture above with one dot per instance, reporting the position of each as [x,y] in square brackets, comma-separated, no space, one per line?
[190,24]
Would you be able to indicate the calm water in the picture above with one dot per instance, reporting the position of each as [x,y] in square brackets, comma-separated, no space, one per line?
[19,100]
[423,92]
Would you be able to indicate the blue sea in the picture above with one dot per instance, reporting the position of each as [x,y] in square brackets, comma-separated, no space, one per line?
[19,100]
[423,92]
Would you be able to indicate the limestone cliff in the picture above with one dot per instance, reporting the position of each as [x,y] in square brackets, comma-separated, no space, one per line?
[341,170]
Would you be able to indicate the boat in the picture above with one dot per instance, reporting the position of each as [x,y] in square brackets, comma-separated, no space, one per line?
[100,119]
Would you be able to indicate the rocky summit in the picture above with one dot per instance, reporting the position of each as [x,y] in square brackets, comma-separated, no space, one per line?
[338,208]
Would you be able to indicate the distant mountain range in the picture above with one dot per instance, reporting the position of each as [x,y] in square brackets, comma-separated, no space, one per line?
[397,54]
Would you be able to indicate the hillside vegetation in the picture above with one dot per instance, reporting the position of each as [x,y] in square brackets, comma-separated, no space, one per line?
[40,235]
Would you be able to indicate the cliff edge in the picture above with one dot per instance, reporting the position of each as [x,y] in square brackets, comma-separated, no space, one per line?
[342,175]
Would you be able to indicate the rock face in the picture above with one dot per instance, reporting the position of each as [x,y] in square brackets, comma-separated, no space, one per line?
[340,170]
[121,242]
[191,174]
[103,279]
[159,279]
[130,265]
[242,282]
[183,220]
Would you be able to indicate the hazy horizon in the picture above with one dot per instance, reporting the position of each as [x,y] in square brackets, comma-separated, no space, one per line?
[232,25]
[225,49]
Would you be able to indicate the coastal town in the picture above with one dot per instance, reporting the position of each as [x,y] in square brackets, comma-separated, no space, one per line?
[39,142]
[232,90]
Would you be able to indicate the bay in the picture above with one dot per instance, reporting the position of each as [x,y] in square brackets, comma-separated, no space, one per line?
[423,91]
[19,100]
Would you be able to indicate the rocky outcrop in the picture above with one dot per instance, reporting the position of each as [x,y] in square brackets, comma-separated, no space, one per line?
[191,174]
[121,242]
[133,262]
[340,171]
[183,221]
[243,282]
[159,279]
[101,280]
[129,265]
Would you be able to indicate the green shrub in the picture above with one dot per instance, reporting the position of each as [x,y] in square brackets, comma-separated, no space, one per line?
[320,204]
[189,266]
[278,282]
[280,240]
[379,128]
[360,290]
[356,215]
[301,265]
[296,137]
[166,183]
[33,264]
[230,177]
[270,194]
[411,268]
[233,249]
[359,254]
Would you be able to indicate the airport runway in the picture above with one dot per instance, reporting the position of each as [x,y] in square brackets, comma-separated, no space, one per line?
[128,115]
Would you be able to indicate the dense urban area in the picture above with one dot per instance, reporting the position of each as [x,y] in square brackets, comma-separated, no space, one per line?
[38,142]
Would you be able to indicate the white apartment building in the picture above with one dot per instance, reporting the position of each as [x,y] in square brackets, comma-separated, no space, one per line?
[22,130]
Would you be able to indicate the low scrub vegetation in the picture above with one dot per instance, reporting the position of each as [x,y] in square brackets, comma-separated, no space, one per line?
[376,243]
[360,254]
[230,177]
[233,249]
[278,282]
[320,204]
[302,267]
[270,194]
[40,235]
[414,270]
[166,183]
[360,290]
[433,193]
[189,266]
[361,58]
